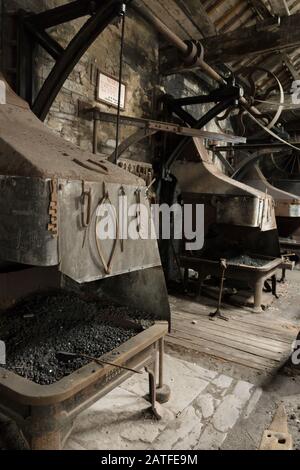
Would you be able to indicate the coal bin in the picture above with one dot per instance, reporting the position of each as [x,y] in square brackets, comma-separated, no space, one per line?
[36,329]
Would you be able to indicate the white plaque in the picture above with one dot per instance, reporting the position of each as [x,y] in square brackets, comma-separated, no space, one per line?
[2,92]
[108,91]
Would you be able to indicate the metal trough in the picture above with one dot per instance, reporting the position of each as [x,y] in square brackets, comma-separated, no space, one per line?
[46,414]
[256,276]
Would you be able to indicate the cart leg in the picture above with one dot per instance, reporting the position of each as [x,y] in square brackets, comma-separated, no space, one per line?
[258,290]
[152,390]
[186,280]
[201,280]
[274,287]
[163,391]
[50,441]
[283,277]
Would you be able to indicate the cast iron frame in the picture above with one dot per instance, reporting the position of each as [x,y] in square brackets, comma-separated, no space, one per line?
[33,31]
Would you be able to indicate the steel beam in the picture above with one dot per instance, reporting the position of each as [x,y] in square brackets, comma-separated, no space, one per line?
[45,40]
[65,13]
[73,53]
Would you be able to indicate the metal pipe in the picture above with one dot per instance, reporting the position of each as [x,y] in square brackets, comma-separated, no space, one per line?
[175,40]
[183,47]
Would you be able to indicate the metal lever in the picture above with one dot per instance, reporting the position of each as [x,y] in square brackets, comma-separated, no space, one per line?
[65,356]
[217,313]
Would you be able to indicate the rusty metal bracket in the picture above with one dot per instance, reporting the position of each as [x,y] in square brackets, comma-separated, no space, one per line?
[53,225]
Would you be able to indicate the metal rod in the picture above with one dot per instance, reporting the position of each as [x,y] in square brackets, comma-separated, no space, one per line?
[95,135]
[64,355]
[123,15]
[217,313]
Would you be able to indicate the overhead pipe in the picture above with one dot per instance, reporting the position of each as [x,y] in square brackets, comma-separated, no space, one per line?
[186,50]
[182,46]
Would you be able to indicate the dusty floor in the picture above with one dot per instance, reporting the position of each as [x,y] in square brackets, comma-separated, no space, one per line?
[214,404]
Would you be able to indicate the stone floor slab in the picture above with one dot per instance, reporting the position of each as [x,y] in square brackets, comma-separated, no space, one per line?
[197,416]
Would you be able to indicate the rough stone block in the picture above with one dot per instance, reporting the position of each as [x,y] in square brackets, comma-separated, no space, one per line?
[182,433]
[207,404]
[227,414]
[211,439]
[222,382]
[243,391]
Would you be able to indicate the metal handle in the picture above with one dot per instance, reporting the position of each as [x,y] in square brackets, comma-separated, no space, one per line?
[86,208]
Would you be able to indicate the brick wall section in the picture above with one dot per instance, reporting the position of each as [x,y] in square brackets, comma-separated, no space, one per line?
[140,74]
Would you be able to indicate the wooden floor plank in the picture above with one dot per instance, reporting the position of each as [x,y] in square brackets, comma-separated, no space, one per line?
[255,342]
[247,340]
[244,361]
[247,319]
[232,343]
[228,349]
[237,326]
[225,329]
[243,316]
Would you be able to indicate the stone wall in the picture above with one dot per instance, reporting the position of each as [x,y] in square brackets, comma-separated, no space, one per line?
[139,74]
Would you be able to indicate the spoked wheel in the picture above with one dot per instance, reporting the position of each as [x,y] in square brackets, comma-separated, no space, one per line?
[288,164]
[267,119]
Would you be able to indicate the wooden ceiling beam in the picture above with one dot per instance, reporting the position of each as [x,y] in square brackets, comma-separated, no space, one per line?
[280,7]
[269,36]
[290,66]
[197,13]
[260,9]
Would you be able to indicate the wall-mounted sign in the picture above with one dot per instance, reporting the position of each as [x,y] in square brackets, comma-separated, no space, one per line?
[2,92]
[108,91]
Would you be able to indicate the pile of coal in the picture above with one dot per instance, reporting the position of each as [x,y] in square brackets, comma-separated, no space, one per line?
[248,261]
[39,327]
